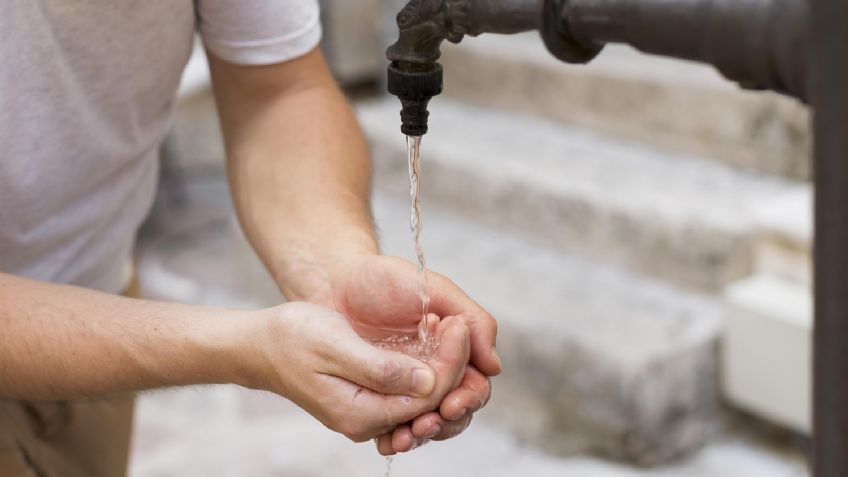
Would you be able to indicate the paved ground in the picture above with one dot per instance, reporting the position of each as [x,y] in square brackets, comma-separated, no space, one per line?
[227,431]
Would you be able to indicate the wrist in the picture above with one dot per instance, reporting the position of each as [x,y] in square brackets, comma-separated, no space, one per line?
[270,347]
[225,347]
[308,274]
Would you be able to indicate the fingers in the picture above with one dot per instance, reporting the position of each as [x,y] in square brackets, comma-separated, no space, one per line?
[454,428]
[454,416]
[402,439]
[459,406]
[449,364]
[450,300]
[368,414]
[432,426]
[484,330]
[456,410]
[384,372]
[423,429]
[384,445]
[471,395]
[427,426]
[452,354]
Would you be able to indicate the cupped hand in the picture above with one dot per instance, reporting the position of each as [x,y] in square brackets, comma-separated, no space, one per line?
[450,420]
[379,296]
[311,355]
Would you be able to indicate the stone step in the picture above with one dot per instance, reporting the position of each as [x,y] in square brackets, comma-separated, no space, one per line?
[677,105]
[672,216]
[596,359]
[784,235]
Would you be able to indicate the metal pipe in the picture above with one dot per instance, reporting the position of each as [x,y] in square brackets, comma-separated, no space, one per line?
[829,97]
[424,24]
[759,43]
[503,16]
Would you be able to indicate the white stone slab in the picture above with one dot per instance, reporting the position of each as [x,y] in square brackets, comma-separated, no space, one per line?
[766,349]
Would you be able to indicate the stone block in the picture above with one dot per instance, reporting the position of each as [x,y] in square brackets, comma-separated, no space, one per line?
[767,349]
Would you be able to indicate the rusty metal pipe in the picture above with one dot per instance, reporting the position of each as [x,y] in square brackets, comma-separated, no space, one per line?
[503,16]
[761,44]
[829,97]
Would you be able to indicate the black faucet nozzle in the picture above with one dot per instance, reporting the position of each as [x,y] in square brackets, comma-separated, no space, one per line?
[414,84]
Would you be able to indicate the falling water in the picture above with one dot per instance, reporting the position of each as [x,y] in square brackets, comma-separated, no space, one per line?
[413,146]
[389,466]
[423,347]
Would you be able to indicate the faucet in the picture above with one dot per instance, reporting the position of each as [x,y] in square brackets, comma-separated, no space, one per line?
[760,44]
[414,74]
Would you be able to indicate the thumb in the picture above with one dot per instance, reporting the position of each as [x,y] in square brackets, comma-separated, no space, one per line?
[384,372]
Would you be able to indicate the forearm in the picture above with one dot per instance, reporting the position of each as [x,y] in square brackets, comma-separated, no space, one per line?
[63,342]
[298,167]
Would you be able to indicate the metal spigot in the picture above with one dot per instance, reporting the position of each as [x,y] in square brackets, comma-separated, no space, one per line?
[415,75]
[414,84]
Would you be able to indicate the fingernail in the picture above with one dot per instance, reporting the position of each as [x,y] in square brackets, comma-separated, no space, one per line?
[435,432]
[496,357]
[423,381]
[419,443]
[462,414]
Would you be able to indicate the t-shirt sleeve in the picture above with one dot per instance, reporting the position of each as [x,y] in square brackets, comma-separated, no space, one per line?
[259,32]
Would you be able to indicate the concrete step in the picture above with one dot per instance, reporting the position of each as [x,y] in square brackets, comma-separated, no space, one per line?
[784,236]
[596,359]
[672,216]
[677,105]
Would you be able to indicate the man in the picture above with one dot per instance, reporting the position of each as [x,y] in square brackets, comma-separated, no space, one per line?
[86,92]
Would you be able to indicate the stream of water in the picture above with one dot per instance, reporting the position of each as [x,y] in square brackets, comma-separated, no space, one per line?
[389,466]
[413,146]
[425,344]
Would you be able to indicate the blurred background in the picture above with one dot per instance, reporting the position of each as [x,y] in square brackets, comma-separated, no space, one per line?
[639,226]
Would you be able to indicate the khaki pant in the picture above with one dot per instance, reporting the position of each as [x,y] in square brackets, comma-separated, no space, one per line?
[66,439]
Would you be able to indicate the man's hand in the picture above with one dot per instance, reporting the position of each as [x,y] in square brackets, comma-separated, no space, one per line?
[300,177]
[311,355]
[378,295]
[89,344]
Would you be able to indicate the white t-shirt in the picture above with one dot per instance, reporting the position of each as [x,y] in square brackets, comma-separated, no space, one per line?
[86,96]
